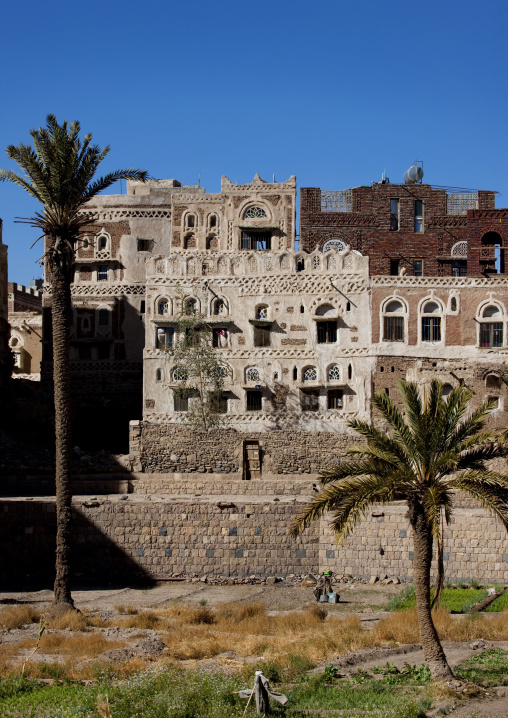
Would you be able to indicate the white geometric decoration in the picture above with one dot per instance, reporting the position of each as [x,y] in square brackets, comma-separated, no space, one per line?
[337,244]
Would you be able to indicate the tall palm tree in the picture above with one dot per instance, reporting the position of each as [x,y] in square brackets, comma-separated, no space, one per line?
[58,172]
[424,459]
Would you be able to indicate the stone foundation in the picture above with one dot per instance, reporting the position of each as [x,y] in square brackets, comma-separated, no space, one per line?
[203,527]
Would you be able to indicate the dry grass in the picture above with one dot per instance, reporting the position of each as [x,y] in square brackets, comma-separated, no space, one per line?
[247,630]
[17,616]
[145,620]
[80,646]
[403,627]
[129,610]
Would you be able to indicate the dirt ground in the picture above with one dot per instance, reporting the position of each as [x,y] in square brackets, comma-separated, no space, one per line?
[366,601]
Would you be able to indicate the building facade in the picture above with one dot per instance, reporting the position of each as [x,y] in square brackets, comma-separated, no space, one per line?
[414,229]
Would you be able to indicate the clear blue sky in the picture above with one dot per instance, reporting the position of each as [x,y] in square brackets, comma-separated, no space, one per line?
[333,92]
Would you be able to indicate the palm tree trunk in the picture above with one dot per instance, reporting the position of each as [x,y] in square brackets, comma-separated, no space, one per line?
[432,649]
[60,318]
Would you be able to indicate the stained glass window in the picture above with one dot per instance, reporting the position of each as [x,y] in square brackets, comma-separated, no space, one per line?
[262,312]
[254,213]
[179,374]
[252,375]
[334,373]
[310,374]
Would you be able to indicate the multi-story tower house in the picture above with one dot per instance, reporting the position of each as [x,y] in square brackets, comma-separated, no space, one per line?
[412,228]
[108,296]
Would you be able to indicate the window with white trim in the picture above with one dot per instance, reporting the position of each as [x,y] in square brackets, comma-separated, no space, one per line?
[491,327]
[431,322]
[393,321]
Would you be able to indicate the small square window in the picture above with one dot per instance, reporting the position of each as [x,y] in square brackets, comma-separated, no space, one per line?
[254,400]
[261,336]
[327,332]
[309,400]
[165,337]
[335,398]
[145,245]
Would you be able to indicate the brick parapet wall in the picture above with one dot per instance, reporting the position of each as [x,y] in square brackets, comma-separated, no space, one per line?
[124,538]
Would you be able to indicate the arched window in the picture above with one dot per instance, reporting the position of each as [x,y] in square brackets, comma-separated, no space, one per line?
[309,374]
[163,307]
[189,242]
[337,244]
[431,322]
[447,390]
[252,374]
[333,373]
[179,374]
[324,310]
[190,220]
[254,213]
[103,317]
[262,312]
[223,371]
[393,321]
[491,326]
[219,307]
[212,220]
[102,242]
[191,307]
[493,382]
[212,243]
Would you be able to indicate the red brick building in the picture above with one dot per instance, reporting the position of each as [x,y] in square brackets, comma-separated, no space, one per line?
[409,229]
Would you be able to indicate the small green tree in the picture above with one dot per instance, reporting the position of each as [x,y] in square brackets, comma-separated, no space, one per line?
[199,372]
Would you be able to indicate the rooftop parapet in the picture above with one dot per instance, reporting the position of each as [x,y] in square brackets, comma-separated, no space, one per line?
[193,264]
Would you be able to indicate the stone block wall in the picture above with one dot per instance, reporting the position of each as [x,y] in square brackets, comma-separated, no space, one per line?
[176,448]
[126,538]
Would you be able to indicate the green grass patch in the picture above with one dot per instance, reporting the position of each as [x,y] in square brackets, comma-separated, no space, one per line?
[499,604]
[176,693]
[456,600]
[489,668]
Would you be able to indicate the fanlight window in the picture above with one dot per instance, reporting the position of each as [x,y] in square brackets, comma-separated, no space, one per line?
[254,213]
[334,373]
[459,249]
[223,372]
[337,244]
[179,374]
[262,312]
[324,309]
[447,390]
[491,311]
[310,374]
[431,308]
[252,375]
[164,306]
[394,307]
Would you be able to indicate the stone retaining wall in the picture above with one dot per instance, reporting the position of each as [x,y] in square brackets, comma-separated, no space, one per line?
[135,536]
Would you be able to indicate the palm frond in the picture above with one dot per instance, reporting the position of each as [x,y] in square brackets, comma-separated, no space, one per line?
[349,499]
[490,490]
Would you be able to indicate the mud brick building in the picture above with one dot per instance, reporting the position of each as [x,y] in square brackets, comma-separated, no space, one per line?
[411,228]
[25,321]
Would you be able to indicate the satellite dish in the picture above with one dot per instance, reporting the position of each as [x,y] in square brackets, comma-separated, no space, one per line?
[413,175]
